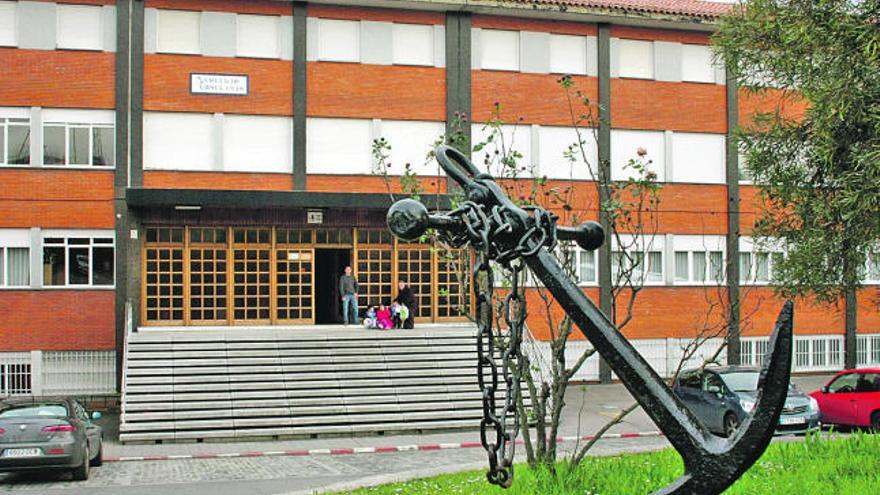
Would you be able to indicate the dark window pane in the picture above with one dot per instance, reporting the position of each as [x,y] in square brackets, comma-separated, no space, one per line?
[2,144]
[19,146]
[53,266]
[53,145]
[78,146]
[103,146]
[78,267]
[102,271]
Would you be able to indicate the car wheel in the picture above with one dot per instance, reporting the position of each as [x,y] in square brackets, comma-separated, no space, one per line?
[81,473]
[99,459]
[730,425]
[875,421]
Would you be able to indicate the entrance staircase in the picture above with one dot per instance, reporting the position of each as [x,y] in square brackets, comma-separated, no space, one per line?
[185,384]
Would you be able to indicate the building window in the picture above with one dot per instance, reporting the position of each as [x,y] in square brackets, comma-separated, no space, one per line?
[568,54]
[873,268]
[178,141]
[587,267]
[636,59]
[258,36]
[758,267]
[78,261]
[699,266]
[696,64]
[624,147]
[79,27]
[339,41]
[78,144]
[412,44]
[15,267]
[178,32]
[7,23]
[15,142]
[499,50]
[698,158]
[638,267]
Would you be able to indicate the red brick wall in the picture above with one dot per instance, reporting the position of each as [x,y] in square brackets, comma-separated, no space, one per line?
[53,198]
[166,85]
[789,104]
[267,7]
[368,184]
[687,107]
[57,320]
[162,179]
[65,79]
[541,25]
[636,33]
[370,14]
[376,91]
[529,98]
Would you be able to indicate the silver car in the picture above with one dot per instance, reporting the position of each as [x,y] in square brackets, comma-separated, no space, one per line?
[49,433]
[722,398]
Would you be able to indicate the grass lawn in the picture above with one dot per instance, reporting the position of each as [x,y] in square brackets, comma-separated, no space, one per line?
[821,464]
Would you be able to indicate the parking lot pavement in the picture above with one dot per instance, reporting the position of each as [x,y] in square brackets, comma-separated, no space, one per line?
[588,408]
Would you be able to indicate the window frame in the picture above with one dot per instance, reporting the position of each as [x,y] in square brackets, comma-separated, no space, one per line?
[499,67]
[708,279]
[95,9]
[620,66]
[643,276]
[67,246]
[91,127]
[4,267]
[5,123]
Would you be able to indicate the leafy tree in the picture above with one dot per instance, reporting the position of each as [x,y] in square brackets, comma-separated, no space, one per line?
[818,173]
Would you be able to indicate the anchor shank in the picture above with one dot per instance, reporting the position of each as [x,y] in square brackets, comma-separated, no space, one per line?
[683,430]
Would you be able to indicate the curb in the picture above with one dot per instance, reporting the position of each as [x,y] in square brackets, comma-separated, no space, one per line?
[363,450]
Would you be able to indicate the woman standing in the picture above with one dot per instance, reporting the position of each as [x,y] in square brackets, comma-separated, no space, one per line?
[407,297]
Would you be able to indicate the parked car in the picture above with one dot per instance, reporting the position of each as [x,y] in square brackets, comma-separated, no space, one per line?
[722,398]
[851,398]
[49,433]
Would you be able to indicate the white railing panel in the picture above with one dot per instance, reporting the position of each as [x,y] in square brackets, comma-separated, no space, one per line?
[15,374]
[79,372]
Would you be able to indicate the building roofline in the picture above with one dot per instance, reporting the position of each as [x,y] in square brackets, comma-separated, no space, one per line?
[692,15]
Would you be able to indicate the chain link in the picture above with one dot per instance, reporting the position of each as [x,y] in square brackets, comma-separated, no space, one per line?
[499,427]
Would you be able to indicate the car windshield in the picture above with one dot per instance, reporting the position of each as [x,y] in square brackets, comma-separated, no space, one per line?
[35,410]
[741,381]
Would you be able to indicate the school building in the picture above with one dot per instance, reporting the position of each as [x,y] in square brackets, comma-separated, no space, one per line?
[180,164]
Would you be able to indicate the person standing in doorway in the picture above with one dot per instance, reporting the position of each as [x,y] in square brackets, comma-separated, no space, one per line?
[407,297]
[348,288]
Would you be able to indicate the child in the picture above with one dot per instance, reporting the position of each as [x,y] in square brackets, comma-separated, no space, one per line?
[370,320]
[383,318]
[395,315]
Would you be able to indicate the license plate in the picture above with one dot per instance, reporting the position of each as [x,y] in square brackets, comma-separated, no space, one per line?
[22,452]
[792,421]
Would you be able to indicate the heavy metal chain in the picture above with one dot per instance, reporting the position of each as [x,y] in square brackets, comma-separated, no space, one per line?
[499,427]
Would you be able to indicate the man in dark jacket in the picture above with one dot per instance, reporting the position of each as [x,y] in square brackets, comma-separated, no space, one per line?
[407,297]
[348,288]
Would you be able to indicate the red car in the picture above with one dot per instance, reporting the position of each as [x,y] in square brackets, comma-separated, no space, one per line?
[851,398]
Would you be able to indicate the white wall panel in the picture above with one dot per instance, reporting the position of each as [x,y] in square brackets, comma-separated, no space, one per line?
[636,59]
[258,36]
[410,143]
[499,50]
[257,143]
[568,54]
[624,147]
[79,27]
[338,41]
[79,116]
[339,146]
[696,64]
[178,31]
[16,238]
[178,141]
[699,243]
[512,137]
[412,44]
[554,143]
[698,158]
[7,23]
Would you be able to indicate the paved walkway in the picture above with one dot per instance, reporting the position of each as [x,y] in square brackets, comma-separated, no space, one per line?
[588,408]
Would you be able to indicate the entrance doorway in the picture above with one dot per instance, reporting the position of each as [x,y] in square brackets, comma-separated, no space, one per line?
[329,264]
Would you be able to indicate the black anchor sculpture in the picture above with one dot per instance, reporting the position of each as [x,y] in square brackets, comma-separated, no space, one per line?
[711,463]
